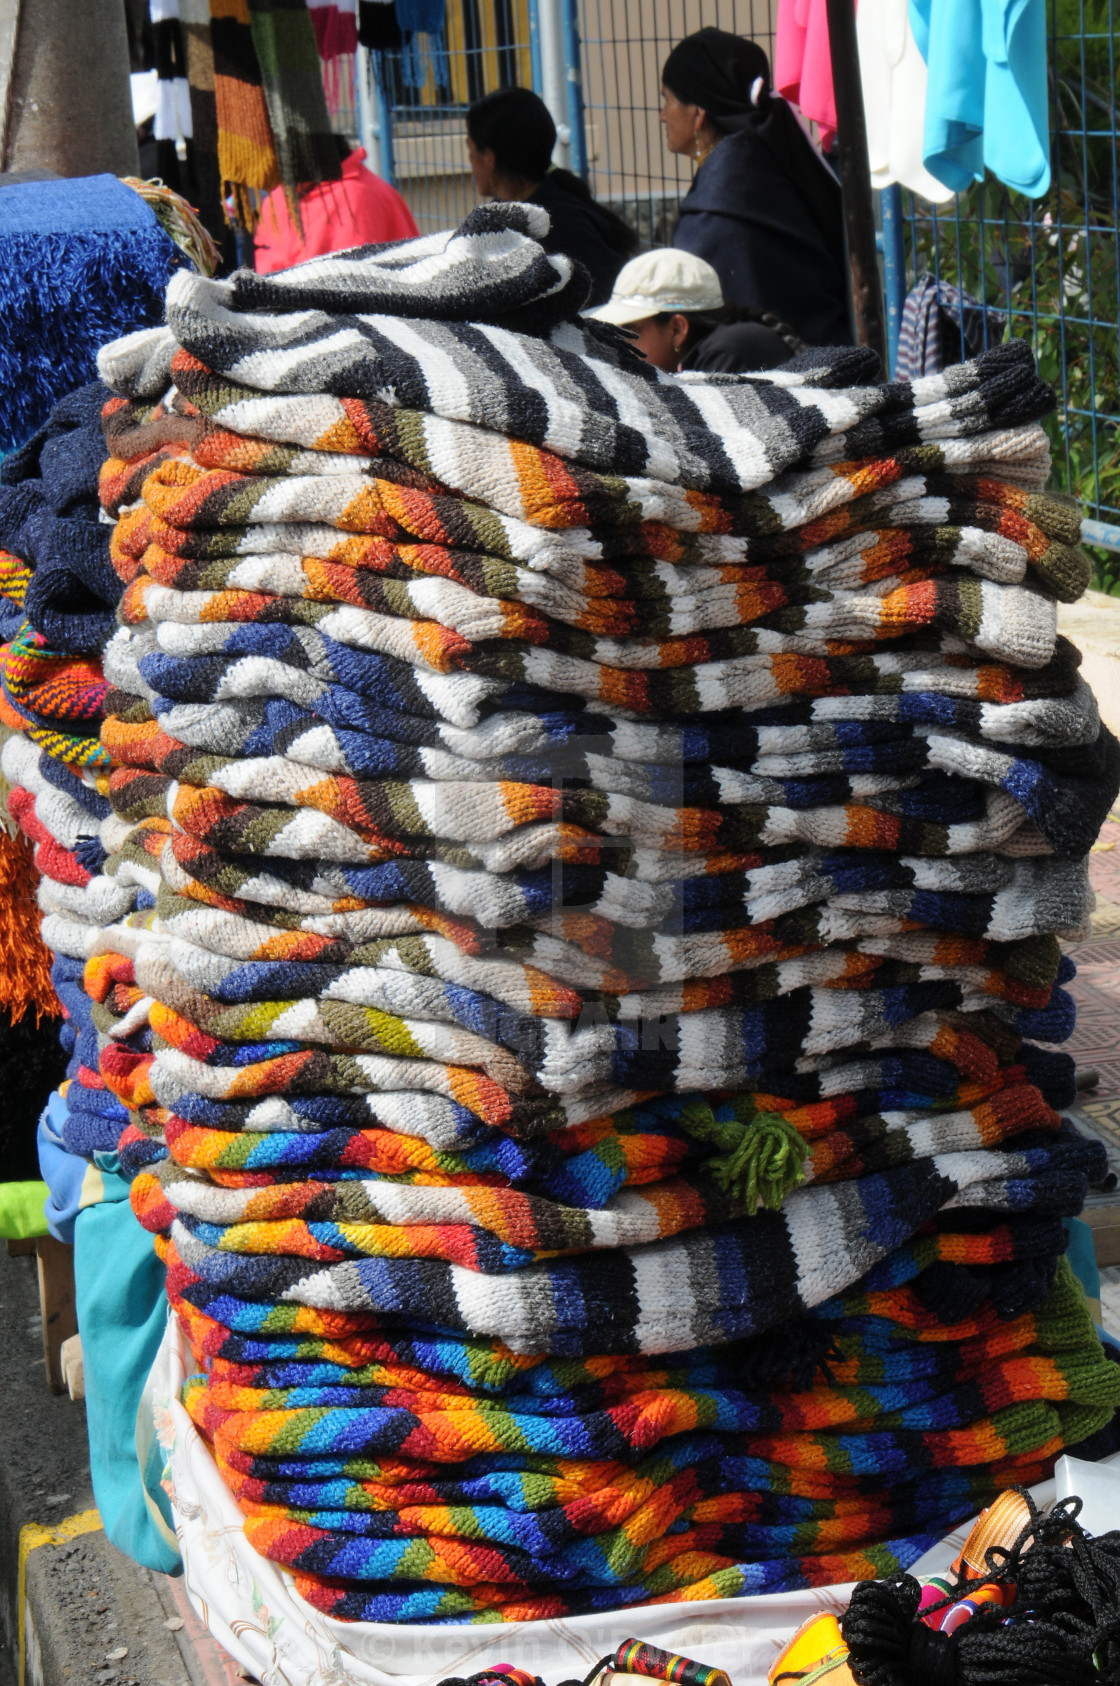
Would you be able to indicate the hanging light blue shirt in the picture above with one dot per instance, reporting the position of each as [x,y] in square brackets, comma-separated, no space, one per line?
[987,96]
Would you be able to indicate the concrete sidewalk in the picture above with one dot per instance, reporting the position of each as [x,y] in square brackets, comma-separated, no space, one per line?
[1093,625]
[73,1609]
[1096,1043]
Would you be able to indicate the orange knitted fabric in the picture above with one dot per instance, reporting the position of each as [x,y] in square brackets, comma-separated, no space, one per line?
[246,152]
[25,976]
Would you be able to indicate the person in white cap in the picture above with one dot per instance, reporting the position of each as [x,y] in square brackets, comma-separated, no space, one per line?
[672,303]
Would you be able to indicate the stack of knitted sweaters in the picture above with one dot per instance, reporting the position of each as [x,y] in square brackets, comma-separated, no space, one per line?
[611,836]
[58,599]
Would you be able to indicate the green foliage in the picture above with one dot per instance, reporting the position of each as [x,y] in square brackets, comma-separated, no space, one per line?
[1106,570]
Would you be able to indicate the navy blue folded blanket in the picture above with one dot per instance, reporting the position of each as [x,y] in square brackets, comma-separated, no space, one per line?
[51,518]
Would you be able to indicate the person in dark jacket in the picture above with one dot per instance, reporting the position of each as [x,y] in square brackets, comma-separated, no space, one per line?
[672,304]
[510,137]
[765,208]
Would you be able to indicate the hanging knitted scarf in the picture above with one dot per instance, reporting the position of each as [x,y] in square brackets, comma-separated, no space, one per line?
[25,983]
[173,122]
[335,23]
[247,160]
[378,29]
[422,20]
[291,75]
[194,22]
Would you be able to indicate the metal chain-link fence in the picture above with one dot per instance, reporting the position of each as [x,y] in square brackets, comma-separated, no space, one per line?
[623,47]
[423,90]
[1048,270]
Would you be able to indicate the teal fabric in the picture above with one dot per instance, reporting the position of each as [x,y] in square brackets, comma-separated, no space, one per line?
[74,1183]
[1083,1257]
[986,100]
[122,1311]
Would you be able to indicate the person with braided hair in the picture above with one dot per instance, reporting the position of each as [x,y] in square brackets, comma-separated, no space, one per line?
[765,208]
[672,303]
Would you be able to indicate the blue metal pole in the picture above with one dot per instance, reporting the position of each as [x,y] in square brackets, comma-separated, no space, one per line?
[384,121]
[1103,533]
[367,119]
[535,46]
[574,77]
[894,265]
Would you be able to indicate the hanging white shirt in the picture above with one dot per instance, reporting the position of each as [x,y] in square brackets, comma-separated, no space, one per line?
[894,98]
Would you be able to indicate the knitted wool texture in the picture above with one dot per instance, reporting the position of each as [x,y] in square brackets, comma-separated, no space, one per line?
[247,161]
[26,983]
[649,425]
[292,78]
[49,521]
[199,53]
[52,694]
[360,1504]
[608,840]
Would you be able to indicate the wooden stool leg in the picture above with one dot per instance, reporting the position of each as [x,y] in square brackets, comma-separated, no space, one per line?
[73,1367]
[56,1304]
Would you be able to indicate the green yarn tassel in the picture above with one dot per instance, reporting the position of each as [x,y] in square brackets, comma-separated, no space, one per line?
[766,1165]
[761,1156]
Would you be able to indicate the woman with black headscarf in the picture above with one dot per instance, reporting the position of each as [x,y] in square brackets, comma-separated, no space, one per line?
[765,209]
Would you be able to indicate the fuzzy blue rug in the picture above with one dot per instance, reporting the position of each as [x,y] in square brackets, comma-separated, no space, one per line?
[81,262]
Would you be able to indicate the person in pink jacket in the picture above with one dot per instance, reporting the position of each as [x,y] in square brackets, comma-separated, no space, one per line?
[359,210]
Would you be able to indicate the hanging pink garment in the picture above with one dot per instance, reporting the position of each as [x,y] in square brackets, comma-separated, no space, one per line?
[803,64]
[335,23]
